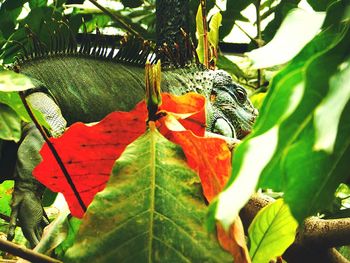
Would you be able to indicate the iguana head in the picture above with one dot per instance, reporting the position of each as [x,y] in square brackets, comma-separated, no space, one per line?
[230,112]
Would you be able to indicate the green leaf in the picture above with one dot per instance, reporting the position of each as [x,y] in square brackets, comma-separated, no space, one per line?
[8,20]
[229,66]
[152,210]
[214,25]
[13,4]
[233,13]
[272,231]
[281,146]
[132,3]
[73,227]
[298,28]
[200,34]
[54,234]
[280,13]
[10,124]
[6,189]
[11,81]
[48,198]
[326,121]
[13,100]
[37,3]
[320,5]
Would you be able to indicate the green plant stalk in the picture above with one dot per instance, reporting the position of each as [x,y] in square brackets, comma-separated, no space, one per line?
[205,34]
[259,36]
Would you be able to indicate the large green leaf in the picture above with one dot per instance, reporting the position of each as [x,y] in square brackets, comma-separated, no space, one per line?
[320,5]
[152,210]
[272,231]
[10,124]
[232,13]
[283,146]
[281,11]
[298,28]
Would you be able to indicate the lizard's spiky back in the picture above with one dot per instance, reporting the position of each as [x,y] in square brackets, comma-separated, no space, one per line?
[94,77]
[133,50]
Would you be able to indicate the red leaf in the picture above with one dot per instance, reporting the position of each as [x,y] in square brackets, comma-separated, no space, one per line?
[234,241]
[89,153]
[188,109]
[211,159]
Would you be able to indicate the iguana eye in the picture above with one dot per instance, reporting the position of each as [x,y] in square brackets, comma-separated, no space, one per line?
[241,94]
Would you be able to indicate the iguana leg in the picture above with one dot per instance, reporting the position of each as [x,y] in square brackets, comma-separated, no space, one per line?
[26,200]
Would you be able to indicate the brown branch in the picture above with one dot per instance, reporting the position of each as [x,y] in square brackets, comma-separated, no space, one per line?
[327,233]
[25,253]
[53,151]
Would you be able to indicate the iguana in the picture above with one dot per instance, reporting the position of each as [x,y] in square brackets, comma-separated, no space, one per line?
[86,83]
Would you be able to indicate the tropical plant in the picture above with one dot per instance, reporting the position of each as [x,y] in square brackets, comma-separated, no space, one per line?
[296,157]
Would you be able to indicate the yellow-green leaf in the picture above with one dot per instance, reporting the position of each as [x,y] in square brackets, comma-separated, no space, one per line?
[272,231]
[214,25]
[200,34]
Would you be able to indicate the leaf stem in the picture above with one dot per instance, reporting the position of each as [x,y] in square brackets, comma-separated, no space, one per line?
[25,253]
[245,32]
[205,33]
[53,151]
[259,36]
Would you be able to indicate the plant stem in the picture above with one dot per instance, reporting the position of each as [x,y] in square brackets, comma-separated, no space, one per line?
[116,18]
[53,151]
[5,217]
[205,34]
[245,32]
[259,36]
[25,253]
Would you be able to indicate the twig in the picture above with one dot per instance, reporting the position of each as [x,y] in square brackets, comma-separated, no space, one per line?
[53,150]
[116,18]
[25,253]
[205,33]
[245,32]
[259,35]
[5,217]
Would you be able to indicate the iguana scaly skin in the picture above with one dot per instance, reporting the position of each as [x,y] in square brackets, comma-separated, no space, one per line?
[87,84]
[87,89]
